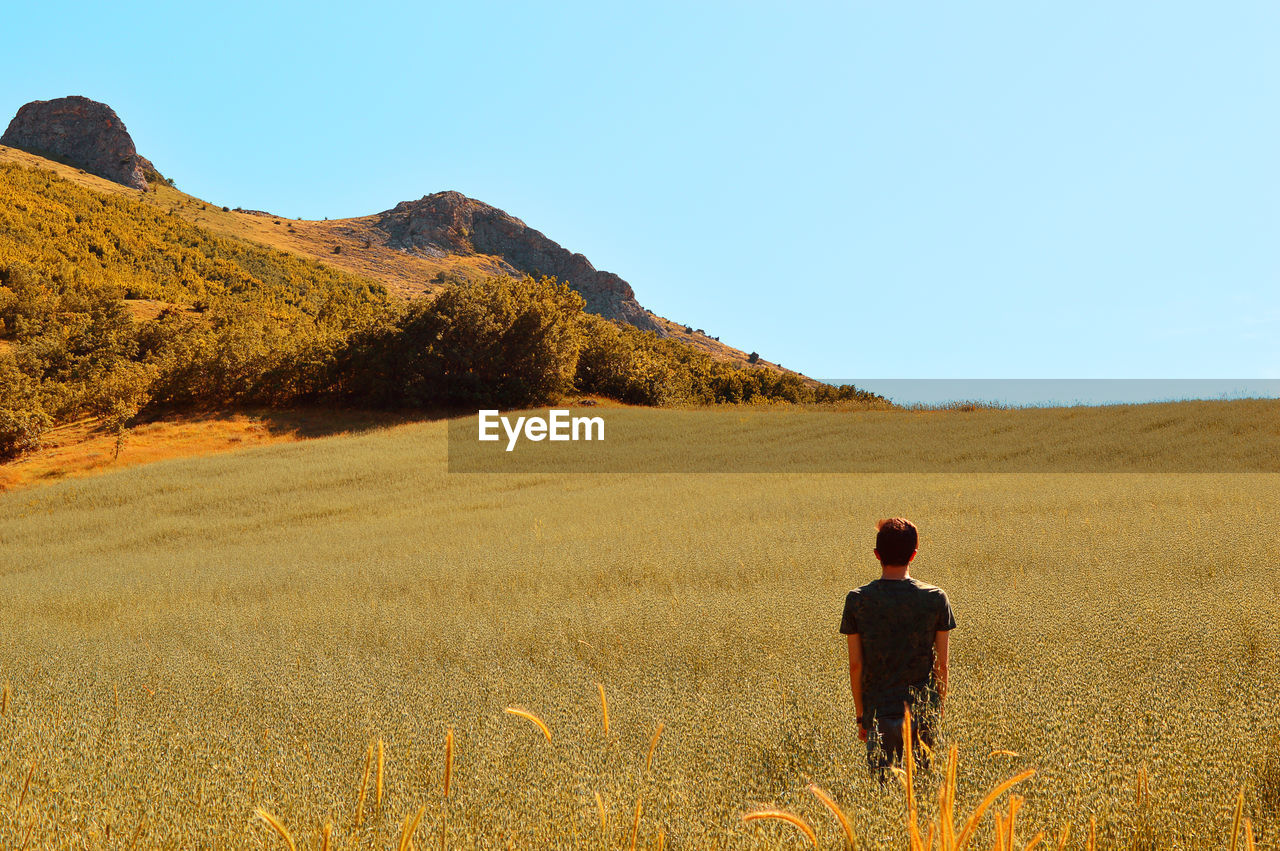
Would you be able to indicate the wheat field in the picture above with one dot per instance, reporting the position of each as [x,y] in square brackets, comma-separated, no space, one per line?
[297,629]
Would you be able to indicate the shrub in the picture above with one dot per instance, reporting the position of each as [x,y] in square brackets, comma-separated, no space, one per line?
[502,341]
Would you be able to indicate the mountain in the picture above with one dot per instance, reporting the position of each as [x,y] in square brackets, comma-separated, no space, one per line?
[452,223]
[83,133]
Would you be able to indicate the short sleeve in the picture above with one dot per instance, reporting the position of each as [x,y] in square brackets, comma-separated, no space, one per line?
[849,620]
[946,618]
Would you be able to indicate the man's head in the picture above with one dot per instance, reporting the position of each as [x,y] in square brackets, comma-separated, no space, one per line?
[896,542]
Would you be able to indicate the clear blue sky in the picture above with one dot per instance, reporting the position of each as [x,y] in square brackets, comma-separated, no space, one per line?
[1084,189]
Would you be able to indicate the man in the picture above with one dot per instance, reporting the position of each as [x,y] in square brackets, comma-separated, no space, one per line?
[897,629]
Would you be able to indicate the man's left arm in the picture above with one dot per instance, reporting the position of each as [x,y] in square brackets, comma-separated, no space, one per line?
[942,650]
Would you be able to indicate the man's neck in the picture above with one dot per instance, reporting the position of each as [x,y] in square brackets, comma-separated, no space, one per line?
[903,572]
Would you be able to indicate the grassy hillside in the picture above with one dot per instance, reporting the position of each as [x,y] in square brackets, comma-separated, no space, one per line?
[111,307]
[402,274]
[350,245]
[67,234]
[188,641]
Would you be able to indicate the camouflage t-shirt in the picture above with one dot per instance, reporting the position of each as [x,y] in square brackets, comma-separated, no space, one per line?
[897,619]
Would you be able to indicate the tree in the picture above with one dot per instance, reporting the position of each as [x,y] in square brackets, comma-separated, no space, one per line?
[511,342]
[22,416]
[120,394]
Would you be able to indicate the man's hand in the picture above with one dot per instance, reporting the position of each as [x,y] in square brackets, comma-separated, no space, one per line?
[862,733]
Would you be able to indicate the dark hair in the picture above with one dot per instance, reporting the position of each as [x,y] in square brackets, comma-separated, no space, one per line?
[896,539]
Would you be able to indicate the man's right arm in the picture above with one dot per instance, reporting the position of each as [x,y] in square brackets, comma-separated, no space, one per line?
[855,677]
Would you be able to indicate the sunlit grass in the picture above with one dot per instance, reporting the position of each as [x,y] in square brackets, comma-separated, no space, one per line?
[195,640]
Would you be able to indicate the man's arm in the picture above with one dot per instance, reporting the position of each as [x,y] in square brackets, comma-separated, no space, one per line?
[855,673]
[941,660]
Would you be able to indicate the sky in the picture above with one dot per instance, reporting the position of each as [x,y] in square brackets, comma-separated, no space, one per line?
[854,190]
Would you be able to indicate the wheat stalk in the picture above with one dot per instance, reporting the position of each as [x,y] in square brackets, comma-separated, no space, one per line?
[326,836]
[1248,836]
[1015,804]
[448,760]
[947,800]
[448,773]
[829,802]
[908,764]
[1235,821]
[411,823]
[783,815]
[4,700]
[604,709]
[604,818]
[381,759]
[653,745]
[972,823]
[364,786]
[1092,843]
[635,827]
[1064,836]
[277,827]
[27,784]
[524,713]
[142,822]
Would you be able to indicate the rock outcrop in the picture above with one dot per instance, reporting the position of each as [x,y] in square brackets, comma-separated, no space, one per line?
[82,133]
[453,223]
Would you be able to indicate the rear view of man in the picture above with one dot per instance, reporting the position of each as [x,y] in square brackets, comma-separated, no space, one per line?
[897,629]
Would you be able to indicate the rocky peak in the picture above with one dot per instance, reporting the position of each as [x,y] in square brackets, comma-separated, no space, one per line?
[453,223]
[82,133]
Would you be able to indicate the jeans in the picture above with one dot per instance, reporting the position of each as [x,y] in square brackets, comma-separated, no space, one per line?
[885,745]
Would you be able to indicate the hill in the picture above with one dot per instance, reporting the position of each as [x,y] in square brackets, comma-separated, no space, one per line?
[412,248]
[354,245]
[114,305]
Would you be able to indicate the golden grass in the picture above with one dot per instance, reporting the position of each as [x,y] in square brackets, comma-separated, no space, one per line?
[382,598]
[604,710]
[604,817]
[653,746]
[635,825]
[364,786]
[448,761]
[80,449]
[529,716]
[784,816]
[830,803]
[275,824]
[411,823]
[1236,436]
[381,758]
